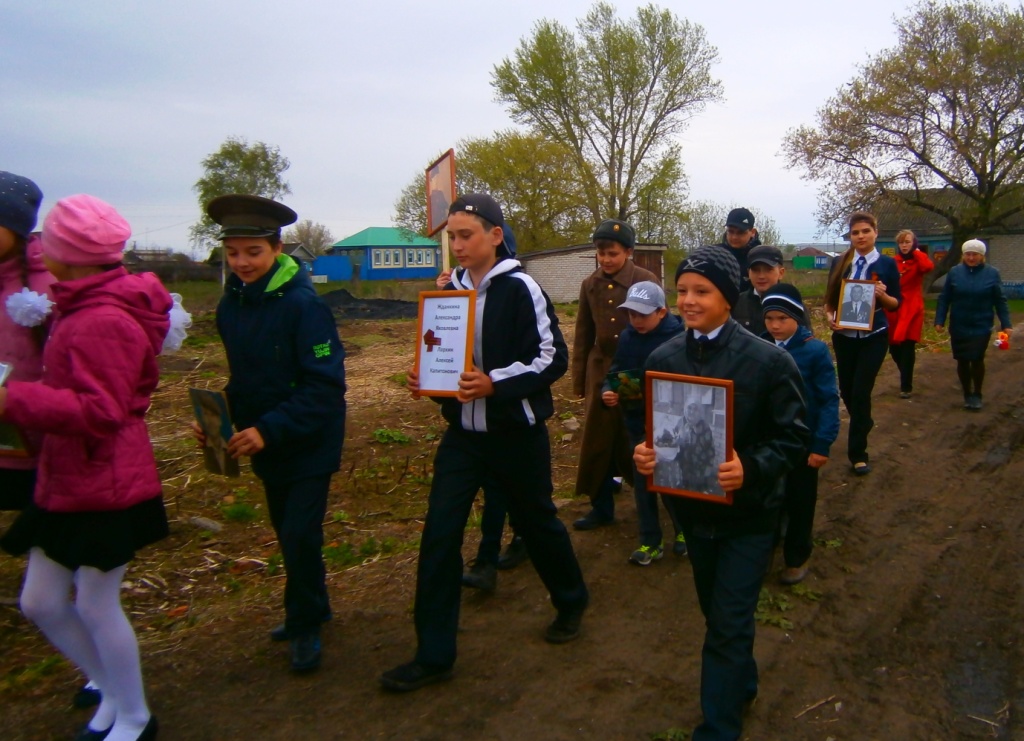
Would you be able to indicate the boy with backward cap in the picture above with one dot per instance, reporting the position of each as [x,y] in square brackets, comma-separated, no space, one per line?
[497,440]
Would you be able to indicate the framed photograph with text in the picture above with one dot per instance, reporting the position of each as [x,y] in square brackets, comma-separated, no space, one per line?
[689,425]
[444,345]
[440,191]
[856,305]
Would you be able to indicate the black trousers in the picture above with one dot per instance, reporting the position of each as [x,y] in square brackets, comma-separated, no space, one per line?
[800,503]
[904,355]
[517,465]
[858,360]
[297,511]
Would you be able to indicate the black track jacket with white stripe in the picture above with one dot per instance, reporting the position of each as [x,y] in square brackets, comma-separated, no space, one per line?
[517,342]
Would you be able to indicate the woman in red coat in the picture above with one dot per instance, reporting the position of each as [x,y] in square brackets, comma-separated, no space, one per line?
[905,323]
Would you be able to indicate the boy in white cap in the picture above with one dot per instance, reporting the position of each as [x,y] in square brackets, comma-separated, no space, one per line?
[650,325]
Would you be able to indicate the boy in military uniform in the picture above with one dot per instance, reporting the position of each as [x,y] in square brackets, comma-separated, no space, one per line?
[286,393]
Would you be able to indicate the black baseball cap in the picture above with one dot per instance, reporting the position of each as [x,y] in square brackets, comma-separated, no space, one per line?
[741,218]
[765,253]
[480,204]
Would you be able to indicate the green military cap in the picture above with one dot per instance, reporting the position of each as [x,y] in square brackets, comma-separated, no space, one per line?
[249,216]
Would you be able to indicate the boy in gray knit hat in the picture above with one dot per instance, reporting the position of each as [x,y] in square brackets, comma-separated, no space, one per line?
[731,536]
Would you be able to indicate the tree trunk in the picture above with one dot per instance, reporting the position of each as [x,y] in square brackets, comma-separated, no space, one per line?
[951,259]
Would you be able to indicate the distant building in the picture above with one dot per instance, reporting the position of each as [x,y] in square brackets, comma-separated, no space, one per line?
[301,254]
[380,253]
[1005,243]
[811,257]
[561,271]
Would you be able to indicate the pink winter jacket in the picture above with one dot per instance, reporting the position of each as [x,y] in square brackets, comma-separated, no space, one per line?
[99,371]
[20,345]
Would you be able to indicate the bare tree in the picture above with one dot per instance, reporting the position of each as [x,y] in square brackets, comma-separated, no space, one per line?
[314,237]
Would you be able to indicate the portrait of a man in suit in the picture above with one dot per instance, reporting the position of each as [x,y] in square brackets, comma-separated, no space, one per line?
[857,308]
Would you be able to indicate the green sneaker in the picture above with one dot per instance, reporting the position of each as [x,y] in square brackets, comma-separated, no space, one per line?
[679,546]
[643,555]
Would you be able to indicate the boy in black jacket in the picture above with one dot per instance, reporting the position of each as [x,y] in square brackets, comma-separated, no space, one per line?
[730,545]
[286,393]
[496,439]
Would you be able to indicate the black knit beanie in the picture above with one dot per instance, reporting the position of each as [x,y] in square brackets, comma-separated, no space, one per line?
[787,299]
[19,203]
[718,265]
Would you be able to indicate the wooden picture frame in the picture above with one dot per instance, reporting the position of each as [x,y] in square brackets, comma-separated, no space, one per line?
[440,180]
[851,293]
[690,428]
[212,414]
[445,329]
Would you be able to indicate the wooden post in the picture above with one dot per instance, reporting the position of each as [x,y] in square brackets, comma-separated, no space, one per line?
[446,256]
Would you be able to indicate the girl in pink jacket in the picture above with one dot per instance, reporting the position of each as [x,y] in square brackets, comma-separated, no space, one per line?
[98,495]
[24,305]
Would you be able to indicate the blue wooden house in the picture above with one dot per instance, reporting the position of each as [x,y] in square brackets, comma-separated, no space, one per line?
[380,253]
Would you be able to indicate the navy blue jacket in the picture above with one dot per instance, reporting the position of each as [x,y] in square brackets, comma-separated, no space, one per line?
[287,372]
[883,269]
[631,354]
[820,391]
[517,343]
[770,434]
[970,296]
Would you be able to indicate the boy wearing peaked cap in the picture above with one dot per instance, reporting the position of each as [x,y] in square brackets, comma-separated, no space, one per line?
[650,326]
[497,440]
[730,546]
[784,316]
[604,450]
[286,393]
[740,238]
[765,268]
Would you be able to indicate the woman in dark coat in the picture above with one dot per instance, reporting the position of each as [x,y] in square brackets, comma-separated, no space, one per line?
[972,293]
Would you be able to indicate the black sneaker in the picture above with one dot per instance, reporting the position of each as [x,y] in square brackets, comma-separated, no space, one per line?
[513,555]
[87,696]
[412,676]
[592,521]
[305,651]
[565,628]
[482,576]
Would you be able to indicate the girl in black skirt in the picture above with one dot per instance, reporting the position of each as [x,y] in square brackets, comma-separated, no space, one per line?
[98,494]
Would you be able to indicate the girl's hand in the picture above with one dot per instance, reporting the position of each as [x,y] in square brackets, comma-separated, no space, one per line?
[730,474]
[3,400]
[643,457]
[610,398]
[197,433]
[830,316]
[939,328]
[247,442]
[443,279]
[474,385]
[814,460]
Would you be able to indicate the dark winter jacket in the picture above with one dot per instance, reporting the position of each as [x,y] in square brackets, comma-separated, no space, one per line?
[518,344]
[770,433]
[970,296]
[287,372]
[741,255]
[99,370]
[633,351]
[820,391]
[748,313]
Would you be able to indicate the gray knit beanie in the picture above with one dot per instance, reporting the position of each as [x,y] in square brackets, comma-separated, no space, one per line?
[718,265]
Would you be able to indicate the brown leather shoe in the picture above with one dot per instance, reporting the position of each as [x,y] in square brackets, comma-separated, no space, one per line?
[793,575]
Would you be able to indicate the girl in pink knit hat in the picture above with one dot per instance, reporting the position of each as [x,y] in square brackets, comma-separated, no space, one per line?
[98,494]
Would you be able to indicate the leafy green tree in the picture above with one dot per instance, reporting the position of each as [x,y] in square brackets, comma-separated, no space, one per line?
[615,94]
[934,123]
[314,236]
[533,179]
[238,167]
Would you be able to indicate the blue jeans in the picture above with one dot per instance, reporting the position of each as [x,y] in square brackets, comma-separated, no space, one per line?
[727,571]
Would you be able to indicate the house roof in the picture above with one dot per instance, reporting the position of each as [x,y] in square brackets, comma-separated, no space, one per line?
[893,214]
[588,248]
[298,250]
[384,236]
[810,252]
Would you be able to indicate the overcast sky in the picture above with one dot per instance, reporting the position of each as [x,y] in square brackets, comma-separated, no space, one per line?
[123,99]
